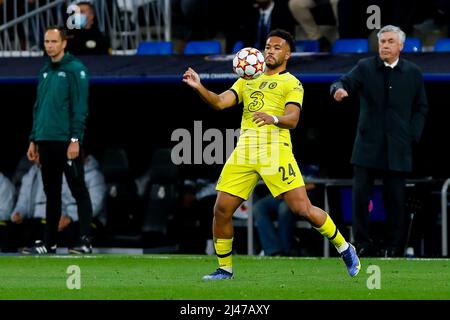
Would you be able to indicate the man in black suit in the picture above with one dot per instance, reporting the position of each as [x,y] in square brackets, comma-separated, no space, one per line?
[256,19]
[393,107]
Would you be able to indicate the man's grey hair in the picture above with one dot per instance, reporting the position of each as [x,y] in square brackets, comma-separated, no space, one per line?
[391,28]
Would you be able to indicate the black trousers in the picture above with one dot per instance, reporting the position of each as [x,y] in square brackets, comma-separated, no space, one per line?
[393,200]
[53,158]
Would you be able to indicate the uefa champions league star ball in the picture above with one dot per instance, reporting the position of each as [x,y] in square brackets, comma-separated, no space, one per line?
[249,63]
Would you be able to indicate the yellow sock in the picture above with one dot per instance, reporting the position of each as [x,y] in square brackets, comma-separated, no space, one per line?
[329,230]
[223,251]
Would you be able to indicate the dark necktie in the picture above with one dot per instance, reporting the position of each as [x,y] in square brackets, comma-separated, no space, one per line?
[262,31]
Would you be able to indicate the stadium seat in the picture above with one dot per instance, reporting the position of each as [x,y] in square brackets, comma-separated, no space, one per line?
[412,45]
[202,47]
[307,46]
[237,46]
[376,206]
[121,197]
[350,46]
[114,164]
[442,45]
[161,193]
[154,48]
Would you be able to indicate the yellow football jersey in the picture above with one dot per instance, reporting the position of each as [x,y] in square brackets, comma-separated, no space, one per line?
[268,94]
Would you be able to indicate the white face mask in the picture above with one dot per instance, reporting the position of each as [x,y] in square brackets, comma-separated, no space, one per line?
[81,21]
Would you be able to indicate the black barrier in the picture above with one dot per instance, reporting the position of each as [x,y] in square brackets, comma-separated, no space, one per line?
[142,117]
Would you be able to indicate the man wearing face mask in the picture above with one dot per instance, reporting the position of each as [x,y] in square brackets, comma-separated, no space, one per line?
[87,39]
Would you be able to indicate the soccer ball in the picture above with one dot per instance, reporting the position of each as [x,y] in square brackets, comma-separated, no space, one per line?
[249,63]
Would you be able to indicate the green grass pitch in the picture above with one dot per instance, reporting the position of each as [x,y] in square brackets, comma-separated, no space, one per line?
[178,277]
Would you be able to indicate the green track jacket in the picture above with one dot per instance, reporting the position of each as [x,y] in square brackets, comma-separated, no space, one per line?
[61,107]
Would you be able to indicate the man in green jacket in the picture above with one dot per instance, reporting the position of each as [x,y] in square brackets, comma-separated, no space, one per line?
[59,117]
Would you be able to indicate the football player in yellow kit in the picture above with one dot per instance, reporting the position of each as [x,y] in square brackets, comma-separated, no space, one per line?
[272,104]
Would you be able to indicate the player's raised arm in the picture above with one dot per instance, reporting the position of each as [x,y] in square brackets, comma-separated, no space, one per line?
[218,101]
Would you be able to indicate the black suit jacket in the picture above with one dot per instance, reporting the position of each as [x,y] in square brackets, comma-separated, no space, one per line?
[393,107]
[88,42]
[280,18]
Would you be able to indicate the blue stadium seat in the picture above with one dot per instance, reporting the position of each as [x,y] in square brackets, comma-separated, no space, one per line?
[376,208]
[442,45]
[412,45]
[203,47]
[237,46]
[350,46]
[154,48]
[307,46]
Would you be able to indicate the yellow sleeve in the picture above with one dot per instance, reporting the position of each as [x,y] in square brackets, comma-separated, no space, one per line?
[236,88]
[294,92]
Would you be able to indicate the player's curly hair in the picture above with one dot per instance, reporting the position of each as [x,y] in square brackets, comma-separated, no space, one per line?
[283,34]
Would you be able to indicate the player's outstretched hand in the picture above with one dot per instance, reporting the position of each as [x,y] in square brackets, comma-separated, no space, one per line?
[340,94]
[261,119]
[191,78]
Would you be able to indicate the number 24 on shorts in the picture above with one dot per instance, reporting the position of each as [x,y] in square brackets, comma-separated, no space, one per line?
[290,171]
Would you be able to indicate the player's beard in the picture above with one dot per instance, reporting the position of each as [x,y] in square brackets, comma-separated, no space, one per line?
[274,65]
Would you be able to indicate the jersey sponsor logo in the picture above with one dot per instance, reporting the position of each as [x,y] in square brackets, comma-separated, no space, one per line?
[273,85]
[62,74]
[257,102]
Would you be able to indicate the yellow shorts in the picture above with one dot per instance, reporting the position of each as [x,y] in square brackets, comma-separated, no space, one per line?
[274,163]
